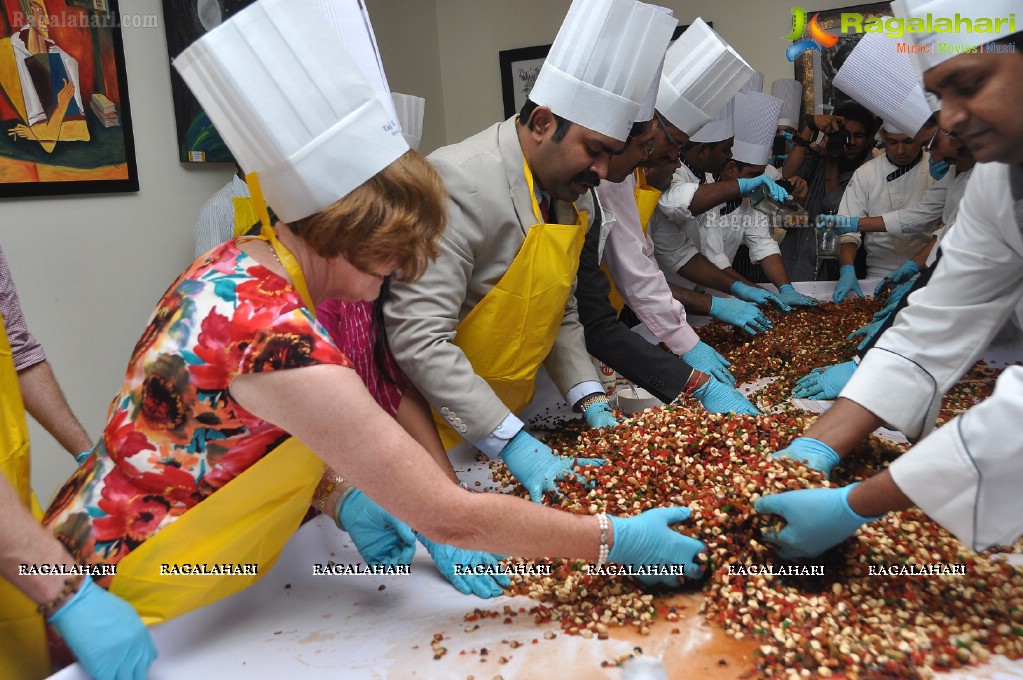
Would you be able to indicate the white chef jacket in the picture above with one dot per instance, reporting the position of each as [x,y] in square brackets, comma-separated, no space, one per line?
[628,253]
[967,474]
[953,197]
[868,194]
[674,229]
[723,234]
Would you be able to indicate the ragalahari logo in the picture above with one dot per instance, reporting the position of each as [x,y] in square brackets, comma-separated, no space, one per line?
[819,38]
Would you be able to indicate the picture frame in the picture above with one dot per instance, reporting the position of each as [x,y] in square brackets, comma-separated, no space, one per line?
[198,139]
[816,70]
[520,67]
[64,108]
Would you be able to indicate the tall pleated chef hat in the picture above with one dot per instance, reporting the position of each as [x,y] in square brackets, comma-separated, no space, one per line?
[756,121]
[754,84]
[600,66]
[701,75]
[791,93]
[310,114]
[410,110]
[876,75]
[646,109]
[721,127]
[991,16]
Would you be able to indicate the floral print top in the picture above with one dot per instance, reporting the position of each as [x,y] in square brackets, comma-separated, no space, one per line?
[174,429]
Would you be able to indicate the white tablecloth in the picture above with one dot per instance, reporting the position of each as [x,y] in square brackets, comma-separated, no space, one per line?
[294,624]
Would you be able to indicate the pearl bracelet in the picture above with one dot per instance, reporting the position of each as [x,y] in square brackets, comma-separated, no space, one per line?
[605,550]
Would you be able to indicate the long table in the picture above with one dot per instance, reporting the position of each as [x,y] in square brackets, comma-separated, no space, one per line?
[296,624]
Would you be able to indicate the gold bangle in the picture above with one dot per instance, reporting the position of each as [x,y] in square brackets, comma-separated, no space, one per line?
[71,586]
[323,491]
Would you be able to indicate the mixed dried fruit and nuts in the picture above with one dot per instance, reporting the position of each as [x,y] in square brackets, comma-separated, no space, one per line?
[901,598]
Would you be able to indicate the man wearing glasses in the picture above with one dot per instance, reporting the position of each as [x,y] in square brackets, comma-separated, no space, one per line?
[628,200]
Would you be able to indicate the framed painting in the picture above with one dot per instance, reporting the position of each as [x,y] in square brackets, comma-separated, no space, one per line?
[64,112]
[186,21]
[816,69]
[521,66]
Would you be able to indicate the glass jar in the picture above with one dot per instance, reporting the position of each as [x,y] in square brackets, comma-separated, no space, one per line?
[828,241]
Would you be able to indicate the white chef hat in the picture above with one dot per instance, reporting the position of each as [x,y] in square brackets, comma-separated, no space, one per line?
[791,93]
[599,68]
[410,110]
[756,121]
[646,109]
[989,20]
[755,83]
[720,127]
[881,78]
[291,102]
[701,75]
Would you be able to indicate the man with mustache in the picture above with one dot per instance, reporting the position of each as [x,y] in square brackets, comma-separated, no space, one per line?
[498,301]
[965,475]
[628,199]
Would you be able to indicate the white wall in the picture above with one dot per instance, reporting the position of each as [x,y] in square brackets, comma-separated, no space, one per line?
[473,31]
[89,269]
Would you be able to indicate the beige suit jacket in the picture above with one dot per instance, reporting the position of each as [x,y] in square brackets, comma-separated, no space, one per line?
[490,212]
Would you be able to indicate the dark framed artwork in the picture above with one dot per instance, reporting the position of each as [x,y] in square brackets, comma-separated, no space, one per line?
[64,111]
[185,22]
[816,69]
[519,69]
[521,66]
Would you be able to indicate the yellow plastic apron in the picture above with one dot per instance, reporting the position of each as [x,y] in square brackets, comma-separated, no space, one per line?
[248,521]
[23,652]
[646,202]
[244,215]
[511,331]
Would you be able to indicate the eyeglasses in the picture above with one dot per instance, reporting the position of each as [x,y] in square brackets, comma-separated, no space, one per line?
[648,147]
[664,129]
[934,139]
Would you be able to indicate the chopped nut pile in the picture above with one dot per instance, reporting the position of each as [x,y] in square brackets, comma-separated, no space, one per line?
[900,599]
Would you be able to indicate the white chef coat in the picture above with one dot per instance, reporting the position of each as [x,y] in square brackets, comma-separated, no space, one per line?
[674,229]
[868,194]
[967,474]
[723,234]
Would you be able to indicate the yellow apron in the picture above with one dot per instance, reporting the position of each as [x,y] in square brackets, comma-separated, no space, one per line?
[23,652]
[244,215]
[646,203]
[511,331]
[248,521]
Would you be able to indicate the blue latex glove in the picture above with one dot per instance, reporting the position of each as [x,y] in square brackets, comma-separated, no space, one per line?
[816,519]
[815,454]
[847,283]
[748,184]
[481,585]
[745,315]
[717,397]
[757,296]
[599,415]
[705,359]
[938,169]
[537,468]
[790,296]
[843,224]
[105,634]
[894,298]
[866,333]
[82,457]
[824,383]
[646,539]
[379,537]
[908,270]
